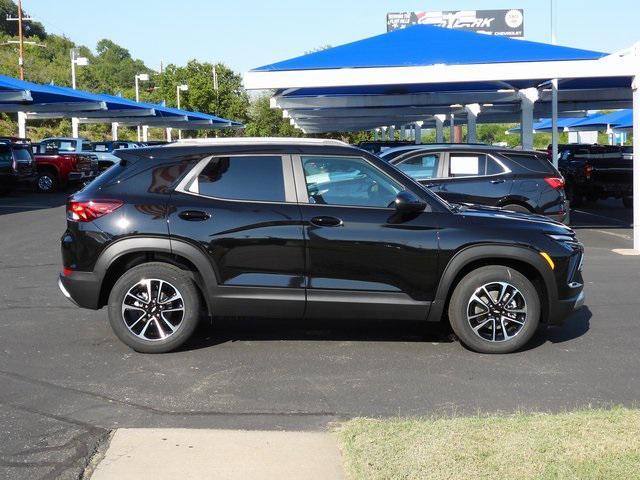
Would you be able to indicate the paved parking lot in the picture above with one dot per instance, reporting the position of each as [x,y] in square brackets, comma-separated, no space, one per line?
[65,380]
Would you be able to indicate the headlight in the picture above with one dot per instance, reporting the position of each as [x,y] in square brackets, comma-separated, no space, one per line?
[564,238]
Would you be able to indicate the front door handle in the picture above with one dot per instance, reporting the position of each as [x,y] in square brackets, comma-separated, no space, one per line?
[430,185]
[325,221]
[194,215]
[497,180]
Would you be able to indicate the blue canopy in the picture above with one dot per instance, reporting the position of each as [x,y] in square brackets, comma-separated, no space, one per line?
[602,121]
[422,45]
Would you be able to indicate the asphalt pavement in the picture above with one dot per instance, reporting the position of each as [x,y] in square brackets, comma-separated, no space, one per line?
[66,381]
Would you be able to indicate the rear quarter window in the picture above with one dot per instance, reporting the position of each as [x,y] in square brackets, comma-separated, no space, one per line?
[529,162]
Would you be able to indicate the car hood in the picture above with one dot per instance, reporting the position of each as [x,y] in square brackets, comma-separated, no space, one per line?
[515,219]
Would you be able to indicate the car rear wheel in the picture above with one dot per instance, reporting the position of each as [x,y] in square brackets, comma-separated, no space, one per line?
[46,182]
[494,309]
[516,208]
[154,307]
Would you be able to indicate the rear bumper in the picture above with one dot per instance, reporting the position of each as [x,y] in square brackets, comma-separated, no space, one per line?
[562,217]
[81,289]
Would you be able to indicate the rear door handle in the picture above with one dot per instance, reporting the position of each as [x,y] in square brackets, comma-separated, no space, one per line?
[430,185]
[194,215]
[325,221]
[498,180]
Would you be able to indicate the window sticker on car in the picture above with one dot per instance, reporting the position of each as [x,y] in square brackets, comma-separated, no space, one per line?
[464,166]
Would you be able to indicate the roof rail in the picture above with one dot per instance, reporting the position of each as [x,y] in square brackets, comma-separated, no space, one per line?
[257,141]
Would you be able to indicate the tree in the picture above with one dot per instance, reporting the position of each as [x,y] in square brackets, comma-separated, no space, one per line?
[265,121]
[10,27]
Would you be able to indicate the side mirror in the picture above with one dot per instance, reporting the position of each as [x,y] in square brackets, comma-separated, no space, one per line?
[407,202]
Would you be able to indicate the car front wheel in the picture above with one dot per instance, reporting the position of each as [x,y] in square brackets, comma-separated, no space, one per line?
[494,309]
[154,307]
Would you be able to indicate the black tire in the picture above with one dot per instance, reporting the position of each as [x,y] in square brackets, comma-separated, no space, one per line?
[627,202]
[461,298]
[47,182]
[514,207]
[181,282]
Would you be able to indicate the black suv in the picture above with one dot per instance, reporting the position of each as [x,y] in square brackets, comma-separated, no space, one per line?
[304,228]
[516,180]
[16,163]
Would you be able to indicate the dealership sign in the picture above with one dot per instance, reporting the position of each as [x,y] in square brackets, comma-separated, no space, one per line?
[508,23]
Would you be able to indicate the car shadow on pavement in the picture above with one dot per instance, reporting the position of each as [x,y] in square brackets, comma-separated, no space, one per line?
[575,326]
[24,201]
[226,330]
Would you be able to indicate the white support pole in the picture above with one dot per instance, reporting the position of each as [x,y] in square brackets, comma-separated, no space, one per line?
[528,97]
[403,132]
[391,131]
[472,115]
[114,131]
[554,122]
[22,124]
[375,134]
[418,130]
[412,132]
[439,128]
[383,133]
[636,162]
[169,139]
[145,133]
[452,128]
[75,127]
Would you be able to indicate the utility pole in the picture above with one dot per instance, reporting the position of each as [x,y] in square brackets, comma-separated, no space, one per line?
[20,19]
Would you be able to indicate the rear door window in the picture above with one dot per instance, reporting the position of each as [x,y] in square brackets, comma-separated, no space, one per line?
[421,167]
[467,164]
[258,178]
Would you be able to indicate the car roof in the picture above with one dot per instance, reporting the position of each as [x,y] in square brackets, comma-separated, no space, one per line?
[256,141]
[453,146]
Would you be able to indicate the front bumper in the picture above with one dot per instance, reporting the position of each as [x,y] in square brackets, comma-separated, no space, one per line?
[80,176]
[566,307]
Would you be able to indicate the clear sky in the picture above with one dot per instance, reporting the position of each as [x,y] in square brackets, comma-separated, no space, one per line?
[249,33]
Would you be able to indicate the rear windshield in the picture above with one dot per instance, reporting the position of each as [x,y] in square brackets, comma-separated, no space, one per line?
[22,154]
[531,161]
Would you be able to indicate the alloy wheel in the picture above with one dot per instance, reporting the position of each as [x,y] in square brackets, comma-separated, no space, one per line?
[153,309]
[45,183]
[497,311]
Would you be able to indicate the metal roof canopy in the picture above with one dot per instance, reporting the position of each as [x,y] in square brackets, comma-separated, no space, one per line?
[423,74]
[36,101]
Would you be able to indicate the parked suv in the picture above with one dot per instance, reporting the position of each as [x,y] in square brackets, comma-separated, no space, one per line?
[304,228]
[516,180]
[16,163]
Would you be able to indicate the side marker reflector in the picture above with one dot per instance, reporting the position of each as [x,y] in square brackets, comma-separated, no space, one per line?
[548,259]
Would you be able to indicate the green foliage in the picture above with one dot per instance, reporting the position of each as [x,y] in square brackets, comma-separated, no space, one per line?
[265,121]
[9,27]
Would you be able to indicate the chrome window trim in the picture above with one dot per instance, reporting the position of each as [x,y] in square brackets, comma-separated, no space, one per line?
[447,162]
[289,189]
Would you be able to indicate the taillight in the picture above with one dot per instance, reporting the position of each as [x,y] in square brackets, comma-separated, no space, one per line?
[555,182]
[66,272]
[588,169]
[89,211]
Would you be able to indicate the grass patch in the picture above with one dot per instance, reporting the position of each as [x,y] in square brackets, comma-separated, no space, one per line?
[586,444]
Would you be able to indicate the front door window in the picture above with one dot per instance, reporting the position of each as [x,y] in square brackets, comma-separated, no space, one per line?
[347,181]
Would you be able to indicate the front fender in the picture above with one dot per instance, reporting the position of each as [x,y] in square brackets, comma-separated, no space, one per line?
[473,253]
